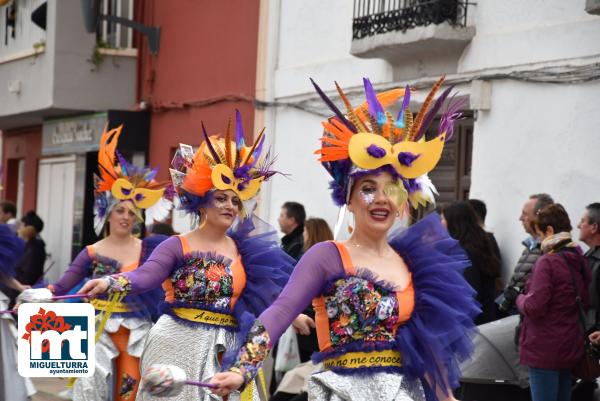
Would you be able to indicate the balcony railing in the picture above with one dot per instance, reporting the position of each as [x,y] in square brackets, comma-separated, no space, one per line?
[372,17]
[112,35]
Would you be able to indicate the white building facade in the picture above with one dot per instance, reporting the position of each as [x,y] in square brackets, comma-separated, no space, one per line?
[530,70]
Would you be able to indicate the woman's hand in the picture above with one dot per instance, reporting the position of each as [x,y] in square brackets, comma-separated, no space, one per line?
[226,382]
[595,337]
[302,324]
[94,287]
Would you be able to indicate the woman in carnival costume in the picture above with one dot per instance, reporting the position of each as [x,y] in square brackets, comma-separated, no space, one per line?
[393,316]
[218,277]
[122,191]
[12,385]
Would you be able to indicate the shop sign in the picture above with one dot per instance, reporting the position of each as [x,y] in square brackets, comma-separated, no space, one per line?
[79,134]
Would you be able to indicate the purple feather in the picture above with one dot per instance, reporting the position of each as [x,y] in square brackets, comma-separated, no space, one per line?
[123,163]
[405,104]
[214,154]
[149,176]
[375,108]
[375,151]
[451,114]
[239,130]
[257,151]
[333,107]
[432,113]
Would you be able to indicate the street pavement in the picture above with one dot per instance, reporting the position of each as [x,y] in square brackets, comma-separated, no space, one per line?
[48,388]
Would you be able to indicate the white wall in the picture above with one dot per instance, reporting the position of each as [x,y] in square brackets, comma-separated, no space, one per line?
[535,138]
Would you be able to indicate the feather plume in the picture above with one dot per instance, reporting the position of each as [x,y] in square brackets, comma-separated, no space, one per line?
[259,140]
[432,113]
[106,157]
[239,137]
[419,119]
[228,144]
[375,109]
[333,107]
[209,145]
[356,122]
[403,108]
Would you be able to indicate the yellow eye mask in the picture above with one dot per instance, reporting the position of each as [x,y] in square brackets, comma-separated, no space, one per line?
[410,159]
[223,178]
[142,198]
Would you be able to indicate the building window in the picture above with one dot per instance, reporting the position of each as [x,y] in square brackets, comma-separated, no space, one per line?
[110,34]
[17,31]
[372,17]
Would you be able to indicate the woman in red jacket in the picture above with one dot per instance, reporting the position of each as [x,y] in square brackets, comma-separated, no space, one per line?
[551,343]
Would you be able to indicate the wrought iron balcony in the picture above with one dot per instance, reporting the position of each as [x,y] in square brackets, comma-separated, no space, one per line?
[372,17]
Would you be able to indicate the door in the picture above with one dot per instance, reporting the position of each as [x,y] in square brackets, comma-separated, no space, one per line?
[55,195]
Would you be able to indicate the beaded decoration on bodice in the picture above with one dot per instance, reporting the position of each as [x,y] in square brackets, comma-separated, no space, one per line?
[205,278]
[358,309]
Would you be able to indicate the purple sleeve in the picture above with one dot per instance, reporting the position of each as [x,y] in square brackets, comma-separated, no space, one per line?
[77,271]
[157,267]
[320,264]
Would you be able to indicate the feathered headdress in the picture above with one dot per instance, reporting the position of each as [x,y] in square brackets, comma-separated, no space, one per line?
[220,163]
[368,139]
[120,181]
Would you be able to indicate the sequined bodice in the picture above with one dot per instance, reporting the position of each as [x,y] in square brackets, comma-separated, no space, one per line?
[358,309]
[204,279]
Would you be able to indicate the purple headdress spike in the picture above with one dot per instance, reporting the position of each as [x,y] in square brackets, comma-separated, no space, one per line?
[451,114]
[209,144]
[257,151]
[432,113]
[405,104]
[123,163]
[149,176]
[375,108]
[239,130]
[334,108]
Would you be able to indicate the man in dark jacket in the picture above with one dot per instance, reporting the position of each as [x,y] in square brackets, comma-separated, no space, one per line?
[530,254]
[291,222]
[30,268]
[589,233]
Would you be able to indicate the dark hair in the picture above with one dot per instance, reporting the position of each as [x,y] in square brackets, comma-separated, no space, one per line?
[317,230]
[296,211]
[541,201]
[162,228]
[464,227]
[9,207]
[32,219]
[479,208]
[554,216]
[593,213]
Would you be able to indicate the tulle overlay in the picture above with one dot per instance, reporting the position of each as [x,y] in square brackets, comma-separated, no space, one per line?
[438,335]
[11,249]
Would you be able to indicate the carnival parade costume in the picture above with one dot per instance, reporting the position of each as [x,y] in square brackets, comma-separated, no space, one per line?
[378,342]
[12,385]
[131,318]
[211,301]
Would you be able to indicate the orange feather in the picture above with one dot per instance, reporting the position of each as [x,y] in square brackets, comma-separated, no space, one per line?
[198,179]
[106,158]
[421,115]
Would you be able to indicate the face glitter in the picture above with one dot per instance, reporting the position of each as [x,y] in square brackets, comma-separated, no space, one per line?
[367,195]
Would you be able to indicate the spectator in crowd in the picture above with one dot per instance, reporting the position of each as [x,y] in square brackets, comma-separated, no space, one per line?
[462,224]
[530,254]
[589,234]
[162,229]
[315,230]
[481,212]
[291,222]
[30,269]
[550,341]
[8,213]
